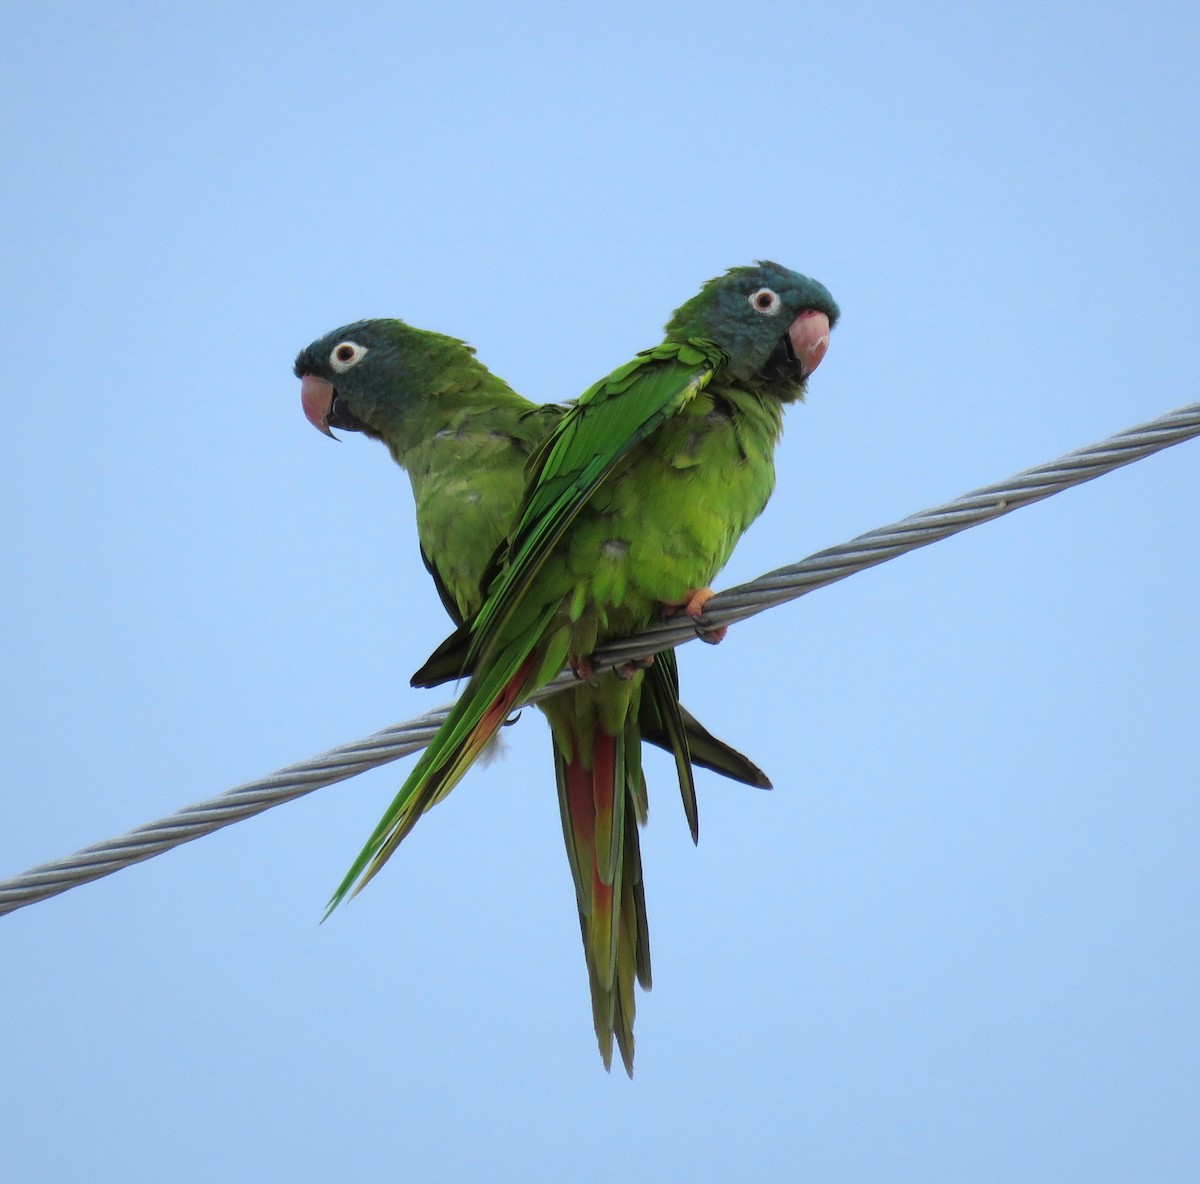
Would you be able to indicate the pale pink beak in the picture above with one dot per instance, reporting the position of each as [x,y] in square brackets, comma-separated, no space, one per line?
[316,397]
[809,335]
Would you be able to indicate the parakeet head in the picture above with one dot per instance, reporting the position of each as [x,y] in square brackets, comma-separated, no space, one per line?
[772,322]
[371,376]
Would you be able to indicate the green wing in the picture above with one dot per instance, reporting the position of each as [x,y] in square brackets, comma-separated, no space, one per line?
[609,420]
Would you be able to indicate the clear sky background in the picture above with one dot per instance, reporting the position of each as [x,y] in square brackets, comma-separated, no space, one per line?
[958,942]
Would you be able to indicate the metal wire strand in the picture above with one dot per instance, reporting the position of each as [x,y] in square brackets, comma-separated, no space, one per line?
[736,604]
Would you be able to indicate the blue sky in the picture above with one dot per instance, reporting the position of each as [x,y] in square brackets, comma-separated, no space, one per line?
[959,941]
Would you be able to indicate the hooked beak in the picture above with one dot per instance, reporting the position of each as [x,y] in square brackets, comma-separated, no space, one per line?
[807,340]
[316,397]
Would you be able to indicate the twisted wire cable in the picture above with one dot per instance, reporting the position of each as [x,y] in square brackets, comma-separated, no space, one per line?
[736,604]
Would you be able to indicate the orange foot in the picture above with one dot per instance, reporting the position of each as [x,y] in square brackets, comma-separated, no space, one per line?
[694,607]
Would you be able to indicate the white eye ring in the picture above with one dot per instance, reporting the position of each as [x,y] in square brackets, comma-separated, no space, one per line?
[765,301]
[346,354]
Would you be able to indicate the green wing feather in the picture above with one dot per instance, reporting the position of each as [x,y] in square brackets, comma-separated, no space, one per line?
[710,753]
[662,684]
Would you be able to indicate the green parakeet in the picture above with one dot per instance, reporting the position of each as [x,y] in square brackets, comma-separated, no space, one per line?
[633,503]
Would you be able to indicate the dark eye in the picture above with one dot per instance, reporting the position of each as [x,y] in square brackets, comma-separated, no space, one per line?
[346,354]
[764,301]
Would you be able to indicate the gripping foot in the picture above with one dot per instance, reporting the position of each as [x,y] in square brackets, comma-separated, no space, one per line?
[694,607]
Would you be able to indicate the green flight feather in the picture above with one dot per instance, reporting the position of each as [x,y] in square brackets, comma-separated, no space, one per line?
[662,684]
[441,766]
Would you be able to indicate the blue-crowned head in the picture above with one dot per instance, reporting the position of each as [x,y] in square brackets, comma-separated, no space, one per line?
[367,376]
[772,322]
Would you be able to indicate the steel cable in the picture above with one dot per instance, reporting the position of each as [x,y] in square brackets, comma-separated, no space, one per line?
[736,604]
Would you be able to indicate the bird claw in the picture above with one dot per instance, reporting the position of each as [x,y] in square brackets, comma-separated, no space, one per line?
[711,636]
[694,607]
[583,669]
[635,666]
